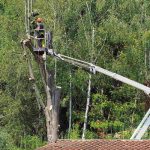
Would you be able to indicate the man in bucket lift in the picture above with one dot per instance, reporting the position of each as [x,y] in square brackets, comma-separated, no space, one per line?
[40,32]
[33,23]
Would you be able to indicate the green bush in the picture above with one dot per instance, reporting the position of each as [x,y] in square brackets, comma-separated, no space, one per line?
[90,135]
[31,142]
[6,142]
[75,132]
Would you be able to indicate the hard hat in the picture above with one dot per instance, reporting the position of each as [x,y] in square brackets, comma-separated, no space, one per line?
[39,20]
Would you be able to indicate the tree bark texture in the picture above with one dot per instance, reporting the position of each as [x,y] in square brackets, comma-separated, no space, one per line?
[51,108]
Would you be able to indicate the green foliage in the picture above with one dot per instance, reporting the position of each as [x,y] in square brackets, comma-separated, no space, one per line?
[6,141]
[116,125]
[90,135]
[120,44]
[31,142]
[75,132]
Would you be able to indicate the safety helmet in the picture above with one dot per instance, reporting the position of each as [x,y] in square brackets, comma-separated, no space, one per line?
[39,20]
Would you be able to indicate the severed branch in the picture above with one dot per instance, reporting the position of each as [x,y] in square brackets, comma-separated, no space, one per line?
[32,78]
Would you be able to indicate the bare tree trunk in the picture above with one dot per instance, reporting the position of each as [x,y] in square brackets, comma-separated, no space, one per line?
[51,110]
[31,74]
[55,113]
[89,88]
[87,107]
[70,105]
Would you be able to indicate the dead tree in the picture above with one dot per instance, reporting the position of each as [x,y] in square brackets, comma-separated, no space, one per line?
[51,108]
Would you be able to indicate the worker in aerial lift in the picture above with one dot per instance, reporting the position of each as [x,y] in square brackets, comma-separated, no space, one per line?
[33,24]
[40,32]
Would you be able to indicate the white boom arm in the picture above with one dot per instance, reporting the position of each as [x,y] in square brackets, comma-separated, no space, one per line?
[124,79]
[145,123]
[94,69]
[142,127]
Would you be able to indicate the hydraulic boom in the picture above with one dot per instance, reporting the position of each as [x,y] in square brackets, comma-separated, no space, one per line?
[93,68]
[145,123]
